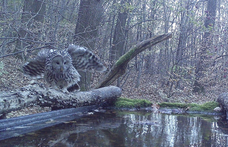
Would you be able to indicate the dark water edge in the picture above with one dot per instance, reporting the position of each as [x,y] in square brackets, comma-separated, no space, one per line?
[130,128]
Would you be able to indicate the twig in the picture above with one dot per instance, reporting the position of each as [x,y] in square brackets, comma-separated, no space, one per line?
[12,54]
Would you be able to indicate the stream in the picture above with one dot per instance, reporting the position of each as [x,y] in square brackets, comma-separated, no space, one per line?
[129,129]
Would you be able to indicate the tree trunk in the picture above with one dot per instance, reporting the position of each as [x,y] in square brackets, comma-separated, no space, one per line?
[89,18]
[86,31]
[119,37]
[149,59]
[207,41]
[183,36]
[33,11]
[182,44]
[163,54]
[140,66]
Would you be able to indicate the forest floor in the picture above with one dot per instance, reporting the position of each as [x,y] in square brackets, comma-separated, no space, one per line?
[150,88]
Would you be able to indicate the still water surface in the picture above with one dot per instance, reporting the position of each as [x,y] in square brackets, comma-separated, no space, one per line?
[130,129]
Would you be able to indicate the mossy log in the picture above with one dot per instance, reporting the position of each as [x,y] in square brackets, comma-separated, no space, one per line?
[120,66]
[37,94]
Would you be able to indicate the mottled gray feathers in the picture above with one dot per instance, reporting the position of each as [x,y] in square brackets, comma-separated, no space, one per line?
[59,67]
[83,59]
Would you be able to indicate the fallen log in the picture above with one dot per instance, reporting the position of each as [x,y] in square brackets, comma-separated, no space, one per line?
[104,121]
[37,94]
[16,126]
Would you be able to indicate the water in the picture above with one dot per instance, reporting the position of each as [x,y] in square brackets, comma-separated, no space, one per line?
[130,129]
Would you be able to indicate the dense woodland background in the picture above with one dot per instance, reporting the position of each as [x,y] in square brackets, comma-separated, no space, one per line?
[189,67]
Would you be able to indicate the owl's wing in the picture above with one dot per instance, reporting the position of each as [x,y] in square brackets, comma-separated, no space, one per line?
[83,59]
[35,68]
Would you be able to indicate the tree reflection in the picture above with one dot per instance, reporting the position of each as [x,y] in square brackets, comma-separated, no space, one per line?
[124,128]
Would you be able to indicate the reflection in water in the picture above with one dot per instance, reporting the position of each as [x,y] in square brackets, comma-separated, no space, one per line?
[144,129]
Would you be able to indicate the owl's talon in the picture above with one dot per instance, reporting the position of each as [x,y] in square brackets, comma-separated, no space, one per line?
[65,91]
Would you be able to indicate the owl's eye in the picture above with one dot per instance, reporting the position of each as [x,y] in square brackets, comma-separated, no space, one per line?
[65,62]
[57,63]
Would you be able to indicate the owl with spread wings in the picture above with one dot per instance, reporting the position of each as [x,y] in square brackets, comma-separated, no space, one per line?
[59,67]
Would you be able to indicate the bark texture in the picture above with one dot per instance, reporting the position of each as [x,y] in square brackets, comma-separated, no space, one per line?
[39,95]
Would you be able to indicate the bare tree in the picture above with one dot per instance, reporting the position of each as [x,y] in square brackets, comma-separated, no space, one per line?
[202,65]
[86,31]
[33,13]
[119,36]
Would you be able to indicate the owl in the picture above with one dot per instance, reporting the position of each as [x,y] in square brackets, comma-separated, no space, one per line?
[59,67]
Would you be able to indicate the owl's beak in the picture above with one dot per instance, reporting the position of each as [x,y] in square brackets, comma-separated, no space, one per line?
[61,69]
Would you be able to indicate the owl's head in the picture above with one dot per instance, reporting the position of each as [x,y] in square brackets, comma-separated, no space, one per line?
[60,61]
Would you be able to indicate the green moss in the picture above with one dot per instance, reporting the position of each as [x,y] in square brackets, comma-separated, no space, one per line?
[125,57]
[206,106]
[131,103]
[174,105]
[193,107]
